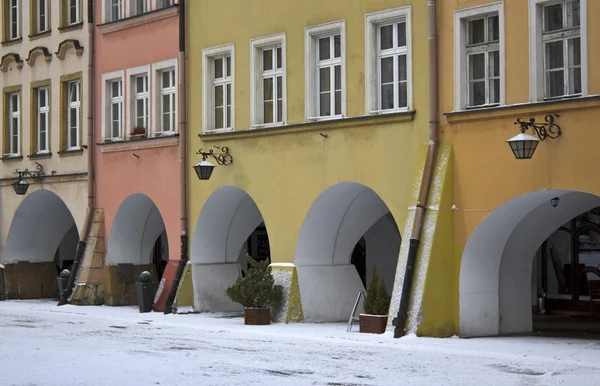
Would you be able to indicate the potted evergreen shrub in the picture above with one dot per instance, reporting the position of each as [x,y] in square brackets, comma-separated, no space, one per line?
[377,305]
[138,132]
[257,292]
[145,292]
[62,280]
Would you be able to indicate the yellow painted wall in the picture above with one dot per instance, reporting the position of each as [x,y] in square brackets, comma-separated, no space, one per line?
[486,173]
[284,170]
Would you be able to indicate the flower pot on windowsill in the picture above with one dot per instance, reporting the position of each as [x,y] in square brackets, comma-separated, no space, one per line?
[373,324]
[136,137]
[257,316]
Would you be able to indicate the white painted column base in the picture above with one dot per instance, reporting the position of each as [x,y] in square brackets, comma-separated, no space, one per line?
[210,285]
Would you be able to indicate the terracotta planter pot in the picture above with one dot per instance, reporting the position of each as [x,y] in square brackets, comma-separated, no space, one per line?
[372,324]
[137,137]
[257,316]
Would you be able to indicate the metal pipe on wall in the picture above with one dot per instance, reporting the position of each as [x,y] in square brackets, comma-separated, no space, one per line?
[400,320]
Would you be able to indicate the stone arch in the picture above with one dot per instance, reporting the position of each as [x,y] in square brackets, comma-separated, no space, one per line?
[8,59]
[37,52]
[226,220]
[66,45]
[339,217]
[496,266]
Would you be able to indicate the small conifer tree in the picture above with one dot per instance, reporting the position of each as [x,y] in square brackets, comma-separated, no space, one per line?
[257,289]
[371,293]
[381,305]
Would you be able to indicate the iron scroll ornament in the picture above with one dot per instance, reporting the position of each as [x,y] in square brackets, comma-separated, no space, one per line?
[543,131]
[35,175]
[223,157]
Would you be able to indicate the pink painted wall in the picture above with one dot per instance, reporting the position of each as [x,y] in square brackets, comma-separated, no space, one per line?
[156,172]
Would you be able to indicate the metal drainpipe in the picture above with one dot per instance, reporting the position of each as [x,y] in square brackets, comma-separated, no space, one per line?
[89,215]
[182,160]
[400,320]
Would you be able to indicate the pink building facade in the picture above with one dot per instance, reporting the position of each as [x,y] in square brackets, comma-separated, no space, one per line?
[137,144]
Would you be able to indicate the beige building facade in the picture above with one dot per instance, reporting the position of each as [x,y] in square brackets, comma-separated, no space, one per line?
[43,78]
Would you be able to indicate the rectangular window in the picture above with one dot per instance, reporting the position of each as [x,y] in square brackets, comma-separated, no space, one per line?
[13,21]
[116,10]
[139,6]
[73,12]
[483,61]
[42,16]
[221,92]
[73,114]
[141,101]
[14,123]
[168,105]
[272,85]
[561,37]
[218,88]
[42,119]
[115,109]
[326,73]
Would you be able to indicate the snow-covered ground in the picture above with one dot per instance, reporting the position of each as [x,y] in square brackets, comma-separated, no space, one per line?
[42,344]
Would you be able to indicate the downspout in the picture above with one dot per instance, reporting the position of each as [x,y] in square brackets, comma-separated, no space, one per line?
[182,105]
[400,320]
[89,214]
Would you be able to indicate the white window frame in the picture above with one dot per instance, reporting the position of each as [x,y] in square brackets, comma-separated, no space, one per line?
[208,56]
[536,51]
[132,74]
[461,77]
[372,75]
[256,94]
[12,131]
[11,5]
[156,100]
[132,11]
[107,11]
[311,46]
[73,105]
[77,8]
[45,16]
[106,122]
[42,113]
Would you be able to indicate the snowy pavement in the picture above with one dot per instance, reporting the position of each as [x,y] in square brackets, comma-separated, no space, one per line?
[42,344]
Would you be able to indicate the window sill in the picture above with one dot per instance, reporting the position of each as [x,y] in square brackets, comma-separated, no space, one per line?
[375,113]
[71,27]
[40,35]
[12,158]
[133,21]
[259,126]
[571,103]
[218,131]
[70,153]
[327,124]
[12,42]
[40,156]
[142,143]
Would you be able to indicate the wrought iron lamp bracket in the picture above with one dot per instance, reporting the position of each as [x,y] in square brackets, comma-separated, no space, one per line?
[549,129]
[36,175]
[223,157]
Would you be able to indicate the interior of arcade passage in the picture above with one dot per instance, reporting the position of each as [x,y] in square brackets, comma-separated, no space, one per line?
[346,233]
[533,265]
[42,241]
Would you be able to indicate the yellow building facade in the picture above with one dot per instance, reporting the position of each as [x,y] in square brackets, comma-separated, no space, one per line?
[322,110]
[523,228]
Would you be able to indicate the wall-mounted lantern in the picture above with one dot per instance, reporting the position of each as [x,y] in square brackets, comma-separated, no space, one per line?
[205,168]
[523,145]
[20,187]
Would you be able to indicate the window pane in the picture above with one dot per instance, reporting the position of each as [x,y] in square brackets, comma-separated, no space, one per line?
[553,17]
[401,67]
[575,80]
[477,90]
[279,117]
[401,34]
[386,37]
[387,96]
[268,89]
[494,91]
[219,117]
[324,104]
[338,77]
[115,91]
[279,110]
[337,45]
[494,63]
[402,94]
[279,58]
[573,14]
[324,49]
[493,29]
[279,87]
[387,70]
[555,83]
[219,95]
[166,79]
[268,112]
[574,52]
[324,79]
[228,116]
[338,103]
[15,103]
[140,86]
[218,68]
[42,97]
[228,66]
[554,55]
[476,31]
[73,137]
[267,60]
[228,94]
[166,114]
[476,66]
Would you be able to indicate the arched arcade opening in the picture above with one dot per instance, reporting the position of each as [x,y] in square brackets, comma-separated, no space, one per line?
[230,226]
[137,242]
[42,240]
[347,232]
[531,265]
